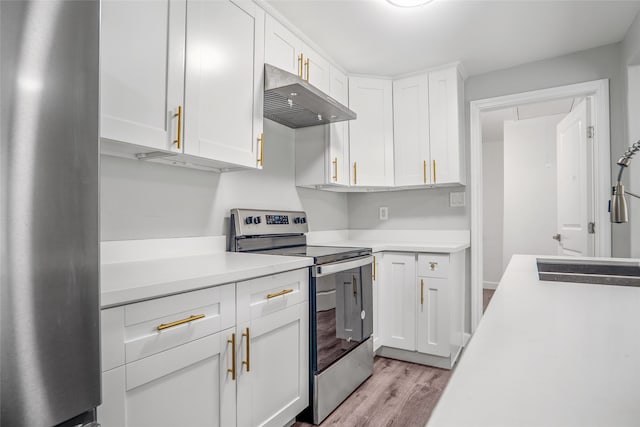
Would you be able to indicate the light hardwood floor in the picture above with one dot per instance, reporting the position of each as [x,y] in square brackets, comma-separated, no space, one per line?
[398,394]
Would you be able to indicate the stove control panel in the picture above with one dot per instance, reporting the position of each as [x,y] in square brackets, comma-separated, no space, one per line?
[255,222]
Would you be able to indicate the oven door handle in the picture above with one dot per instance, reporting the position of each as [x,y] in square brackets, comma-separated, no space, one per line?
[328,269]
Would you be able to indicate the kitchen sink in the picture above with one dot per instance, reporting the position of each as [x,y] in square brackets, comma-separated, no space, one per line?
[599,272]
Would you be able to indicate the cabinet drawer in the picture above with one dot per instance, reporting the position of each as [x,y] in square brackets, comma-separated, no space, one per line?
[433,265]
[141,320]
[266,295]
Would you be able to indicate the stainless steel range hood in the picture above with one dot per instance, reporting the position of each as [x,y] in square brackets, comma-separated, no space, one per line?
[293,102]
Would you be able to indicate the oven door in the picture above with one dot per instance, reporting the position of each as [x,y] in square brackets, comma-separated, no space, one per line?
[343,309]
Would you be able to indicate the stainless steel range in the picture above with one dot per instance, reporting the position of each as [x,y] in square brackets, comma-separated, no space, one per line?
[341,302]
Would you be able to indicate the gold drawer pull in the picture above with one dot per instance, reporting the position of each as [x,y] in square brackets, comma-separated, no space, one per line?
[421,291]
[248,347]
[179,116]
[335,163]
[277,294]
[180,322]
[374,267]
[434,171]
[424,171]
[232,370]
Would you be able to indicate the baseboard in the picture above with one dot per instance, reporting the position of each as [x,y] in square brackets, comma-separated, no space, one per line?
[465,339]
[489,285]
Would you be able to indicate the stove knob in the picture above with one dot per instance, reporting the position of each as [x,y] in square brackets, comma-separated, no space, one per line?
[303,220]
[257,220]
[296,220]
[248,220]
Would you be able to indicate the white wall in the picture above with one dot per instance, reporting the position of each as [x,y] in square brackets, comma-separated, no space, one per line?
[592,64]
[530,188]
[493,211]
[144,200]
[631,59]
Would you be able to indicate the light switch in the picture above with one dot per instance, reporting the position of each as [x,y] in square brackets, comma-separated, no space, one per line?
[456,199]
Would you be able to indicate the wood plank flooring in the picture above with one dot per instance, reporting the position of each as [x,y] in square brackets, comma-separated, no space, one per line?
[399,394]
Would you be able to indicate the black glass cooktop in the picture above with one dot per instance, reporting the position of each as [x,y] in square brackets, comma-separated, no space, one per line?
[320,254]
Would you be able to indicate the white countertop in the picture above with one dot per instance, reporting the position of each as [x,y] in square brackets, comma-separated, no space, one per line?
[127,282]
[549,354]
[398,246]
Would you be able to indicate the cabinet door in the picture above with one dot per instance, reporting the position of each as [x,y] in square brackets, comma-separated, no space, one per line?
[371,134]
[377,262]
[224,81]
[282,47]
[142,71]
[274,387]
[445,90]
[339,132]
[189,385]
[316,69]
[397,301]
[433,316]
[411,131]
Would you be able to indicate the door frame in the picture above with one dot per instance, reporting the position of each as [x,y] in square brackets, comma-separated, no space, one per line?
[598,90]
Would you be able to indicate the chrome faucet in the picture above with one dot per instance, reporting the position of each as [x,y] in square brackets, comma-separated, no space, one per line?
[618,204]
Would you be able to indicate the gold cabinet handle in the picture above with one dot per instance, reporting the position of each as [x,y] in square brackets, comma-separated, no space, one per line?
[421,291]
[278,294]
[374,267]
[424,171]
[300,57]
[248,348]
[434,171]
[232,341]
[307,66]
[179,322]
[355,173]
[261,149]
[335,165]
[179,136]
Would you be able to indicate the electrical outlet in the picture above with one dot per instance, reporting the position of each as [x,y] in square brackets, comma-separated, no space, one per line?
[456,199]
[383,213]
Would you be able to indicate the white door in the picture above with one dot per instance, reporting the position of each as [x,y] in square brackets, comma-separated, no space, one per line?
[189,385]
[224,81]
[433,316]
[142,71]
[282,47]
[371,134]
[445,102]
[575,205]
[274,388]
[411,131]
[339,132]
[397,298]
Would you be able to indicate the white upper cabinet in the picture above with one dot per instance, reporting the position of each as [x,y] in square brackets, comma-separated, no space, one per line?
[183,76]
[411,131]
[285,50]
[142,71]
[446,104]
[282,47]
[224,81]
[316,69]
[322,152]
[371,134]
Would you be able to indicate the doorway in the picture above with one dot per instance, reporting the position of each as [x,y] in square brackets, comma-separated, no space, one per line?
[537,182]
[597,92]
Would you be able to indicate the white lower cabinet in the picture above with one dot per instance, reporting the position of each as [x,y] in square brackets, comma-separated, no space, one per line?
[420,307]
[188,385]
[229,355]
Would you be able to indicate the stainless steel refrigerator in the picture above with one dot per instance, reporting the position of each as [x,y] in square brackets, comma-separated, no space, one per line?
[49,247]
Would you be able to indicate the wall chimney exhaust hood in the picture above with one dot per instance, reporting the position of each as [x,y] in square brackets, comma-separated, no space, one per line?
[293,102]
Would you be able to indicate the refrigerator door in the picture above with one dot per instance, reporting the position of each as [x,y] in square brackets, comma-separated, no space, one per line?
[49,234]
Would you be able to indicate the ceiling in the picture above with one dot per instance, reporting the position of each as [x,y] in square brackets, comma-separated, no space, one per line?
[374,37]
[493,121]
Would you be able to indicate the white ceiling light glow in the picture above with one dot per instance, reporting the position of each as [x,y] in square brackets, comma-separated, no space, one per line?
[409,3]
